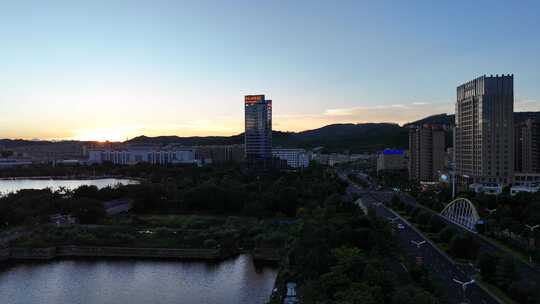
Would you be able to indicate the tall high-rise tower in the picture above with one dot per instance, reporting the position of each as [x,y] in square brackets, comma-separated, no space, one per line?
[484,138]
[258,130]
[527,146]
[426,148]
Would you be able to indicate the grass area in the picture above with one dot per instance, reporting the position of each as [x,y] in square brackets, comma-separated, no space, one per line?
[443,246]
[169,231]
[517,254]
[495,290]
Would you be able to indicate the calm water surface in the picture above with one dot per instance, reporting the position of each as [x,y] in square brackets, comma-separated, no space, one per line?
[7,186]
[137,282]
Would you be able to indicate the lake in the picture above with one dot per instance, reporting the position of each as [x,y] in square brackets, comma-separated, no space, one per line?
[14,185]
[137,282]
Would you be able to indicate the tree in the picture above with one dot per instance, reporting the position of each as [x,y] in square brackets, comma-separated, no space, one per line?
[523,292]
[487,262]
[423,218]
[506,272]
[88,211]
[447,234]
[436,224]
[86,191]
[358,293]
[395,201]
[412,295]
[464,246]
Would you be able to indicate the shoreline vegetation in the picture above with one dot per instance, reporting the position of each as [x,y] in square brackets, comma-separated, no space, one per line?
[72,177]
[49,253]
[306,221]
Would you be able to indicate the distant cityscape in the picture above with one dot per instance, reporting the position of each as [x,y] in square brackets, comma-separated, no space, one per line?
[485,150]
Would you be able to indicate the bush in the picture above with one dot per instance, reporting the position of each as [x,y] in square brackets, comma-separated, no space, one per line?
[122,238]
[210,243]
[436,224]
[447,234]
[487,262]
[464,246]
[86,238]
[423,218]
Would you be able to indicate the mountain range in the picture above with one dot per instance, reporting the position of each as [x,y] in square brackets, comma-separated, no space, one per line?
[337,137]
[449,120]
[355,138]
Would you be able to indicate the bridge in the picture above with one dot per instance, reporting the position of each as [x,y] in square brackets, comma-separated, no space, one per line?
[461,212]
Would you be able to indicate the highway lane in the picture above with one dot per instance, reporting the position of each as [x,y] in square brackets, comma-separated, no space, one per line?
[440,266]
[529,274]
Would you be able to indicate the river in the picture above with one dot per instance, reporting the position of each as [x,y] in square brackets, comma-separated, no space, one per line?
[14,185]
[234,281]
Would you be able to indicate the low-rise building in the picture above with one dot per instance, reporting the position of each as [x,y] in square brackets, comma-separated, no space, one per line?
[295,158]
[117,206]
[47,152]
[391,160]
[219,154]
[524,189]
[9,162]
[63,219]
[486,188]
[135,155]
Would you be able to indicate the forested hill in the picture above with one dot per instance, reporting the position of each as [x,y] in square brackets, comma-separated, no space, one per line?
[337,137]
[355,138]
[445,119]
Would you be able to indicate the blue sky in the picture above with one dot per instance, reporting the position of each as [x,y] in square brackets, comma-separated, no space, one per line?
[117,69]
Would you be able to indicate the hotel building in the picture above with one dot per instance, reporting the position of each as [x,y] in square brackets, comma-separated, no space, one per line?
[484,134]
[258,131]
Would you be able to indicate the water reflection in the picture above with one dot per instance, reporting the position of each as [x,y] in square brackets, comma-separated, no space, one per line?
[14,185]
[137,282]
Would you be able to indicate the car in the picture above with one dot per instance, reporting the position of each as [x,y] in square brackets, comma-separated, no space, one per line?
[400,226]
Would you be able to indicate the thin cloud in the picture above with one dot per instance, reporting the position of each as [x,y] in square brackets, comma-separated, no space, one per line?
[357,110]
[526,104]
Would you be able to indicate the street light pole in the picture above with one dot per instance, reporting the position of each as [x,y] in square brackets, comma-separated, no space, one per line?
[464,286]
[532,228]
[392,220]
[490,211]
[418,244]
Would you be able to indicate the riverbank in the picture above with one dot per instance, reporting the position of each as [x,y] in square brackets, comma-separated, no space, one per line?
[49,253]
[71,177]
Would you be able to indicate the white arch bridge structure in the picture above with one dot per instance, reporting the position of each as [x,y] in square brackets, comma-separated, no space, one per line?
[461,212]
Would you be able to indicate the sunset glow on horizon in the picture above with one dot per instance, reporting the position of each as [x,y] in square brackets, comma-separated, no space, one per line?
[72,70]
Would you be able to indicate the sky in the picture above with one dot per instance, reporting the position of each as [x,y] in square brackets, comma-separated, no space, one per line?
[111,70]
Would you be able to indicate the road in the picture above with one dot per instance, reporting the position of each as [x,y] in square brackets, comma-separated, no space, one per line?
[529,275]
[439,265]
